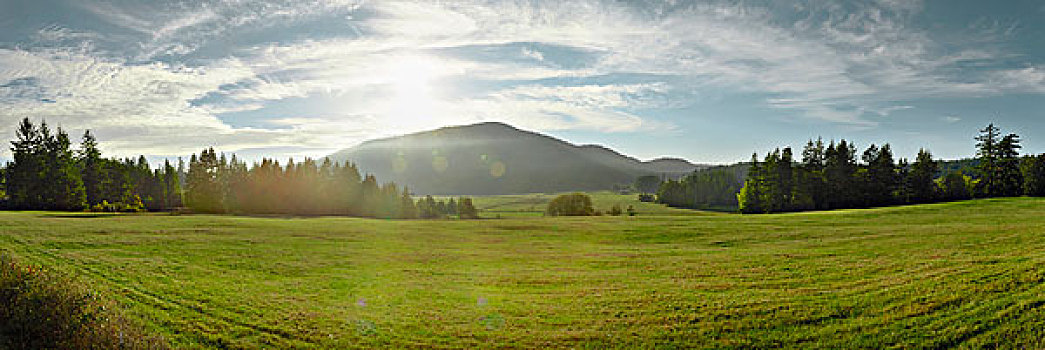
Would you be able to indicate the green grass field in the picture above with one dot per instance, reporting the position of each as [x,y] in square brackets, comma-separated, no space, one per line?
[530,205]
[968,273]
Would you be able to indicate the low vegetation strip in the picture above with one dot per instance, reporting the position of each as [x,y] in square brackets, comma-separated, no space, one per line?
[962,274]
[40,310]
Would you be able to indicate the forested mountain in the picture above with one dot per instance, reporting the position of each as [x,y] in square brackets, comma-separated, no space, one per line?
[495,158]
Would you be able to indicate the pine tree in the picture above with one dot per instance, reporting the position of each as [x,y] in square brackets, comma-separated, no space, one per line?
[24,176]
[171,186]
[920,178]
[987,153]
[879,180]
[751,196]
[1033,168]
[812,178]
[91,171]
[1009,178]
[785,177]
[466,210]
[67,187]
[903,186]
[205,192]
[839,175]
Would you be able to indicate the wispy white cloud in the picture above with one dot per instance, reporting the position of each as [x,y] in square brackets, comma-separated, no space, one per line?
[534,54]
[1030,79]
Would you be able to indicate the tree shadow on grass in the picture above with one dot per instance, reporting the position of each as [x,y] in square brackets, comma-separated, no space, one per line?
[80,215]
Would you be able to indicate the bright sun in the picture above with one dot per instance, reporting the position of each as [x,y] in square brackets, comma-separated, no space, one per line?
[411,80]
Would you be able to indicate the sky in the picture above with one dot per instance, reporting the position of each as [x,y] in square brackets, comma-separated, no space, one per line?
[709,81]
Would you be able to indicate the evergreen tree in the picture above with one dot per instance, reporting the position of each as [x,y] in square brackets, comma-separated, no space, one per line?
[205,192]
[171,186]
[920,178]
[1033,168]
[771,184]
[751,196]
[1009,178]
[812,184]
[903,194]
[65,185]
[987,154]
[880,180]
[24,176]
[839,175]
[91,170]
[955,186]
[466,210]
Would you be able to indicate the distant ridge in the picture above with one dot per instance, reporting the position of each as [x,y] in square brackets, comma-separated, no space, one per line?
[497,158]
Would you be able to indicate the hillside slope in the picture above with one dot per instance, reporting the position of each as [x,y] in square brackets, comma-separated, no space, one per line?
[495,158]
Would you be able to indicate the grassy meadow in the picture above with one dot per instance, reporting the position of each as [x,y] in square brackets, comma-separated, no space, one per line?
[530,205]
[968,274]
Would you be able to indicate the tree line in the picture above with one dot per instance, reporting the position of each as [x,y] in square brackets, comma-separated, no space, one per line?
[47,174]
[713,188]
[831,176]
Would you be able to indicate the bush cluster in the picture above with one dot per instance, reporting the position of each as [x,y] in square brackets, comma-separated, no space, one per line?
[40,310]
[574,204]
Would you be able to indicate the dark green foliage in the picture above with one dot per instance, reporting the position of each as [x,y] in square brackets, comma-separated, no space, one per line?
[574,204]
[840,176]
[39,310]
[955,186]
[91,169]
[920,178]
[171,185]
[713,188]
[1009,177]
[1033,168]
[987,153]
[24,176]
[44,174]
[811,191]
[998,164]
[615,210]
[831,178]
[879,178]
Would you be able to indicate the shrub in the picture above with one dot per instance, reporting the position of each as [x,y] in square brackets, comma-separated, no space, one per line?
[466,210]
[39,310]
[616,210]
[574,204]
[955,186]
[646,197]
[631,211]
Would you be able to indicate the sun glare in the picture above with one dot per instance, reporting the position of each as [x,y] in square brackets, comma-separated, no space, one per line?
[411,80]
